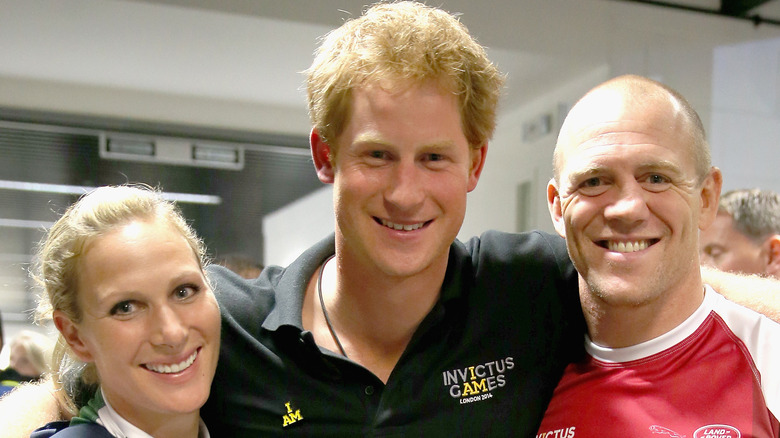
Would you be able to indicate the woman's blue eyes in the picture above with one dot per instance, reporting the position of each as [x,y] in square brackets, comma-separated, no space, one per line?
[181,293]
[186,291]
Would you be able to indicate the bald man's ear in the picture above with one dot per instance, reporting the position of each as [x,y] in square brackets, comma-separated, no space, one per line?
[322,157]
[773,265]
[554,205]
[710,197]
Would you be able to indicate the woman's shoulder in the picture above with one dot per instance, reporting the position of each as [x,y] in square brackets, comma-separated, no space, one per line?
[63,429]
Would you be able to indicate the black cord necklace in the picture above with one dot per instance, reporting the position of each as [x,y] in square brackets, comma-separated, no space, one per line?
[325,312]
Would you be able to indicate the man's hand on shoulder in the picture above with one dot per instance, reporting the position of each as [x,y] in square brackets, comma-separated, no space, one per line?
[28,407]
[761,294]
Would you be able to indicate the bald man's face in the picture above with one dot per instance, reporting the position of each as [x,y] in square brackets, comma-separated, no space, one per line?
[628,201]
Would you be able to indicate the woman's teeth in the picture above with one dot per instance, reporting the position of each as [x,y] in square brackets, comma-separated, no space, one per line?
[174,368]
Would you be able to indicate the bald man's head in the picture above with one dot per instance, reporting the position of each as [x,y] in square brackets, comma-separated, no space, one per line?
[632,97]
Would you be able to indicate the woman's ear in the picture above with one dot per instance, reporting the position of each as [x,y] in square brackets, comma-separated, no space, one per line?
[322,157]
[70,332]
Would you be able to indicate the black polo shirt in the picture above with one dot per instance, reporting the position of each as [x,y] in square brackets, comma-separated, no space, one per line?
[484,362]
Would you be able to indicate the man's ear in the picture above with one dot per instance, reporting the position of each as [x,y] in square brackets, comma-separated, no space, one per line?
[322,157]
[710,196]
[773,265]
[477,164]
[70,332]
[554,205]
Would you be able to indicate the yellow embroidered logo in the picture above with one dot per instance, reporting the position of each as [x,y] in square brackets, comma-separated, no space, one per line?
[475,383]
[292,416]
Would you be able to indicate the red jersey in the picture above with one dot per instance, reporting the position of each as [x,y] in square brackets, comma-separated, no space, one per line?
[711,377]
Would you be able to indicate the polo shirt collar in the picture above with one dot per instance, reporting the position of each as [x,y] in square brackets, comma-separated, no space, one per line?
[293,281]
[290,289]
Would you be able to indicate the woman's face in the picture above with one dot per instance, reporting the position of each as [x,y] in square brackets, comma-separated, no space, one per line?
[149,322]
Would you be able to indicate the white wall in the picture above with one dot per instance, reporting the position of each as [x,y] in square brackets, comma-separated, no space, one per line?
[510,161]
[289,231]
[745,128]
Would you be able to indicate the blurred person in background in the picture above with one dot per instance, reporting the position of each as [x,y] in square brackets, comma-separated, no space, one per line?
[745,236]
[28,358]
[241,264]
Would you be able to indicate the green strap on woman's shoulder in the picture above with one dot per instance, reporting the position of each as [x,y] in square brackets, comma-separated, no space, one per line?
[89,412]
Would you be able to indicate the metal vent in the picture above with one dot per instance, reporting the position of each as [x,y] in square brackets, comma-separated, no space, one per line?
[172,150]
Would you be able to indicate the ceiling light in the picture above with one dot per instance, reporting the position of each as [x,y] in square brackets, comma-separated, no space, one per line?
[21,223]
[25,186]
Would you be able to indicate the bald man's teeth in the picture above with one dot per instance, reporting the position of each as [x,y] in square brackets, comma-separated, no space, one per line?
[627,246]
[400,227]
[174,368]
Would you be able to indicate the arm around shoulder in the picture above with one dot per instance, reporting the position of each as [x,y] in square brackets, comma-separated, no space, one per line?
[761,294]
[28,407]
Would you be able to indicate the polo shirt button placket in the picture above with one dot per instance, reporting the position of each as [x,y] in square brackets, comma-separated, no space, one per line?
[369,390]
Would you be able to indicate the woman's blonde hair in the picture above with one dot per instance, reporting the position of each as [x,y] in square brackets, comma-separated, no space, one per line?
[57,267]
[403,43]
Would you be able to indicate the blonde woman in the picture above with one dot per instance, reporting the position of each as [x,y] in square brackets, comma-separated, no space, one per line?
[139,325]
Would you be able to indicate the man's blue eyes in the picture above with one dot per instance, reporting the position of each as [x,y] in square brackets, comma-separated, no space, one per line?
[381,155]
[654,179]
[592,182]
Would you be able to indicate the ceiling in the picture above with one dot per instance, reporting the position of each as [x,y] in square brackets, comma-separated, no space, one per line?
[536,42]
[326,12]
[756,11]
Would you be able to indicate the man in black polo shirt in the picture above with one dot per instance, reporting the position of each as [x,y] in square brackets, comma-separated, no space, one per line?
[388,327]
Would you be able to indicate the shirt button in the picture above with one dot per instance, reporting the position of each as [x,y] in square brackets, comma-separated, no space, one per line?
[369,390]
